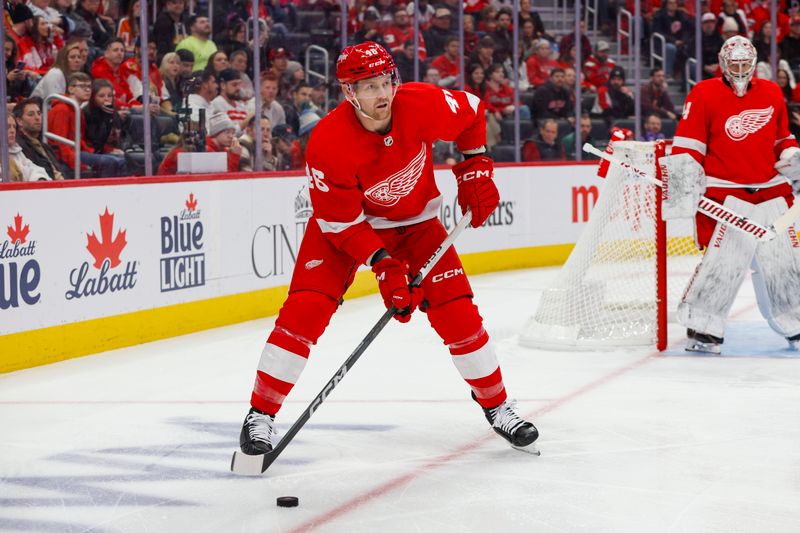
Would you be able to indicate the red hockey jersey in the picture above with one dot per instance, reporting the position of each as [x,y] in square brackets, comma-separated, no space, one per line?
[359,180]
[737,140]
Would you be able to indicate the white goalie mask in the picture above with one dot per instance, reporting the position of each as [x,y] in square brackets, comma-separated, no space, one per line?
[737,59]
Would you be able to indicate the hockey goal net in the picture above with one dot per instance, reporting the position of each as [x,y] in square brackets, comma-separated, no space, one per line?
[627,271]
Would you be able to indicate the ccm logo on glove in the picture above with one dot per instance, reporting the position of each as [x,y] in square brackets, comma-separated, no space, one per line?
[476,190]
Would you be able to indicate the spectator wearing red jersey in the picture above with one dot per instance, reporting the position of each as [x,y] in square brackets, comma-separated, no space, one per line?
[39,49]
[21,18]
[499,102]
[109,68]
[540,64]
[760,14]
[401,31]
[131,71]
[598,66]
[470,35]
[449,63]
[615,100]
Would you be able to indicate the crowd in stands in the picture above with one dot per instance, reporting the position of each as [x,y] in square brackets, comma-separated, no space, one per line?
[63,55]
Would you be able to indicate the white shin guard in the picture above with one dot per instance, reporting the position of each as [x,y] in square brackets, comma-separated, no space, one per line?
[776,275]
[711,291]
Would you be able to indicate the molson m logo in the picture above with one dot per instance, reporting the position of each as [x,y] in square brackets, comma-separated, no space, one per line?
[183,263]
[19,271]
[107,275]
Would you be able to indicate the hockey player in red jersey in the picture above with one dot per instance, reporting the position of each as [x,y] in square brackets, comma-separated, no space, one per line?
[375,203]
[736,128]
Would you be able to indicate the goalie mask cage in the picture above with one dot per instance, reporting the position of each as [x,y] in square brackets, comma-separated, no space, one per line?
[627,271]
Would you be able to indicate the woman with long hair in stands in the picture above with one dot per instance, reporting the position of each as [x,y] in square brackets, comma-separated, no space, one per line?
[128,29]
[18,80]
[69,59]
[475,81]
[170,73]
[38,50]
[217,63]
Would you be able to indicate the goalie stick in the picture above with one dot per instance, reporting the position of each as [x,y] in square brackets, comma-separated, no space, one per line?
[709,207]
[252,465]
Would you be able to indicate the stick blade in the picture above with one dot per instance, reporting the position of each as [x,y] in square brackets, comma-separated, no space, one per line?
[249,465]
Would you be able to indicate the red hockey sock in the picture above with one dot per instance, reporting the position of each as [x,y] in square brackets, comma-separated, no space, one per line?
[459,325]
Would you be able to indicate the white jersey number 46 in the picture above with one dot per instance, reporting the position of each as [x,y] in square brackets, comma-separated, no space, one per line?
[315,179]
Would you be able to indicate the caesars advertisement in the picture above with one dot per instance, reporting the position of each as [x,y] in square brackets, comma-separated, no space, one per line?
[77,253]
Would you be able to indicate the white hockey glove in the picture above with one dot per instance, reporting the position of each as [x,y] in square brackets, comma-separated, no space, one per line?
[789,163]
[684,184]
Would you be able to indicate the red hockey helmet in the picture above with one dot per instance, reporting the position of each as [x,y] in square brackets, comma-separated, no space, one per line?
[363,61]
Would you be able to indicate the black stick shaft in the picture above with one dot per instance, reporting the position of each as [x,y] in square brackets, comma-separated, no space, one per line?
[270,457]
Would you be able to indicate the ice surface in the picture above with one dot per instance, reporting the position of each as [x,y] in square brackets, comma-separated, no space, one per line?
[140,439]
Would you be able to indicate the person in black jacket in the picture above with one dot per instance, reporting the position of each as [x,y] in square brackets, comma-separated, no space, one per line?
[677,29]
[170,27]
[103,125]
[28,114]
[553,100]
[711,43]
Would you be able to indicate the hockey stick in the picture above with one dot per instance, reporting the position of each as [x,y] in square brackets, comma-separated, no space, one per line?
[708,207]
[252,465]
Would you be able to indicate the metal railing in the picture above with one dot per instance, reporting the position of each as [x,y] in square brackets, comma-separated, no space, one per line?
[74,143]
[690,82]
[318,75]
[591,9]
[655,55]
[624,14]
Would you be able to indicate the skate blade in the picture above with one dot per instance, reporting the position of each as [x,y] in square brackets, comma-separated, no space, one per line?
[247,465]
[530,448]
[704,347]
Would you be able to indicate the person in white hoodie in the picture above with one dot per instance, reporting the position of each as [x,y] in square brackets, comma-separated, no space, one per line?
[20,167]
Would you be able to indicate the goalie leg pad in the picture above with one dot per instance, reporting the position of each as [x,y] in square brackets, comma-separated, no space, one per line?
[711,291]
[776,275]
[302,320]
[684,182]
[459,324]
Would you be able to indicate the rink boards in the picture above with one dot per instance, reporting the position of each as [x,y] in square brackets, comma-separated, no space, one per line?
[95,265]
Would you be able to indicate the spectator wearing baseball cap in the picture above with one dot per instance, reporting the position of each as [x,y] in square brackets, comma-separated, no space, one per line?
[711,43]
[436,35]
[284,141]
[614,99]
[370,29]
[598,66]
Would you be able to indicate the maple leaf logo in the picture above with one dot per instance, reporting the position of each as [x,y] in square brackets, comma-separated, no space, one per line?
[106,248]
[18,233]
[191,203]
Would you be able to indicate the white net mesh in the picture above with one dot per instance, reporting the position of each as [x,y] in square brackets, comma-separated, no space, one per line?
[605,294]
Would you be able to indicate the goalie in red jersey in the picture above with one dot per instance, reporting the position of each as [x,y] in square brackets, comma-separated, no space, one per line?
[375,203]
[734,131]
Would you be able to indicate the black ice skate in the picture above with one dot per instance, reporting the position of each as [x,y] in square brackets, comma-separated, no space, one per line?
[257,431]
[794,342]
[507,423]
[703,342]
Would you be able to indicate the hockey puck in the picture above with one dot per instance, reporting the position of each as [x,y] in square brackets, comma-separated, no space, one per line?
[288,501]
